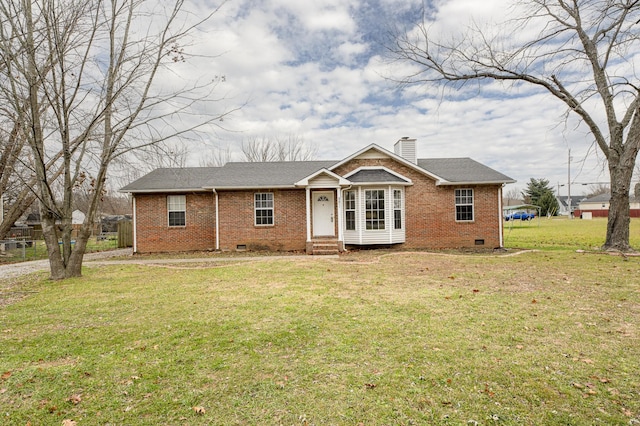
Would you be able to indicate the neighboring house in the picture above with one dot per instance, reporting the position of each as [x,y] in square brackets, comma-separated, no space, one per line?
[598,206]
[77,218]
[563,204]
[373,197]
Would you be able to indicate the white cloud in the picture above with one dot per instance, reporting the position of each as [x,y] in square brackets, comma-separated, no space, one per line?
[311,69]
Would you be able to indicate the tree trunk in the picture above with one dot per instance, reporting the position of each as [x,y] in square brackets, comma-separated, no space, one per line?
[621,171]
[619,220]
[61,266]
[50,235]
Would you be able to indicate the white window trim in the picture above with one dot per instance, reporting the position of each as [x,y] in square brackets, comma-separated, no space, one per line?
[400,209]
[255,209]
[182,203]
[473,207]
[383,210]
[354,210]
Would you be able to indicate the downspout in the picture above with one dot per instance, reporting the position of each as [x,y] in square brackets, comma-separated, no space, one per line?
[135,226]
[308,204]
[501,224]
[389,214]
[360,214]
[217,221]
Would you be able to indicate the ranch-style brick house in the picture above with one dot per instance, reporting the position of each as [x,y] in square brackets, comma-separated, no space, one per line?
[372,198]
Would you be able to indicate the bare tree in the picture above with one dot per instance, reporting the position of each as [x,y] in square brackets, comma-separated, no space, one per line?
[513,196]
[161,155]
[597,189]
[11,146]
[17,177]
[578,51]
[279,148]
[88,70]
[216,158]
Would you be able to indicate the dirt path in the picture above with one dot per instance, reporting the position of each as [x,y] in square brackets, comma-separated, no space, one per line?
[13,270]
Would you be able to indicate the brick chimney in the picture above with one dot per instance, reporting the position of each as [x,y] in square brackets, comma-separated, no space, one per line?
[406,148]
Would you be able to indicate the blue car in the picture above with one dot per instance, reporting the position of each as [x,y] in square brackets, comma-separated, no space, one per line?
[521,214]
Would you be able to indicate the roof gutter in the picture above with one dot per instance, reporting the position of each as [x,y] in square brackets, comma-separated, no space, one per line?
[161,190]
[447,183]
[240,188]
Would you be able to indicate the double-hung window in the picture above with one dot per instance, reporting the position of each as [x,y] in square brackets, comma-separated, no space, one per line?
[374,208]
[397,209]
[177,208]
[263,208]
[464,205]
[350,210]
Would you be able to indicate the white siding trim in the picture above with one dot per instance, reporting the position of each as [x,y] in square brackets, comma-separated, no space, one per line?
[351,236]
[217,222]
[388,235]
[324,181]
[360,214]
[308,201]
[340,215]
[397,235]
[500,222]
[388,219]
[135,226]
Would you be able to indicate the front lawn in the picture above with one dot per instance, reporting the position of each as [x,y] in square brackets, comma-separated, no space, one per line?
[539,338]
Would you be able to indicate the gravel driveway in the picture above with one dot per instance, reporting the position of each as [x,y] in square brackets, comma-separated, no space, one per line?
[13,270]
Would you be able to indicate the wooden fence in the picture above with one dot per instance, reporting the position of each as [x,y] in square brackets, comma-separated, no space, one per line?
[125,233]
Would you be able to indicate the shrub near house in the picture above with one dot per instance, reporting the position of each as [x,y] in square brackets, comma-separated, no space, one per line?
[373,197]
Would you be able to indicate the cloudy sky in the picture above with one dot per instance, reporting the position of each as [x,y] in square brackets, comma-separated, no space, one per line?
[315,69]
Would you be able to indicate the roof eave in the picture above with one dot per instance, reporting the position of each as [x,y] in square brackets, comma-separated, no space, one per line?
[496,182]
[240,188]
[166,190]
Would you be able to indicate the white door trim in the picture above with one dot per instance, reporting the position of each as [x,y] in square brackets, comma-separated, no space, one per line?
[323,213]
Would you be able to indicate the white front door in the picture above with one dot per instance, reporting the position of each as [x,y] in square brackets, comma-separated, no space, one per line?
[323,212]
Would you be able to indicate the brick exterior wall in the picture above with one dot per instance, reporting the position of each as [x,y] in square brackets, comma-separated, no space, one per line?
[237,222]
[430,211]
[153,233]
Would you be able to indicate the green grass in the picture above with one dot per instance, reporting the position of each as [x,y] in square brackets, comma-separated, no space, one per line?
[560,233]
[539,338]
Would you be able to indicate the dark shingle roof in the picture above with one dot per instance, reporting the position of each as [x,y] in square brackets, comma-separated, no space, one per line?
[600,198]
[287,173]
[575,200]
[268,174]
[173,180]
[462,170]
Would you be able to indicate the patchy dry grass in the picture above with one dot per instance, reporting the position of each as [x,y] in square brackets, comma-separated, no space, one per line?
[546,337]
